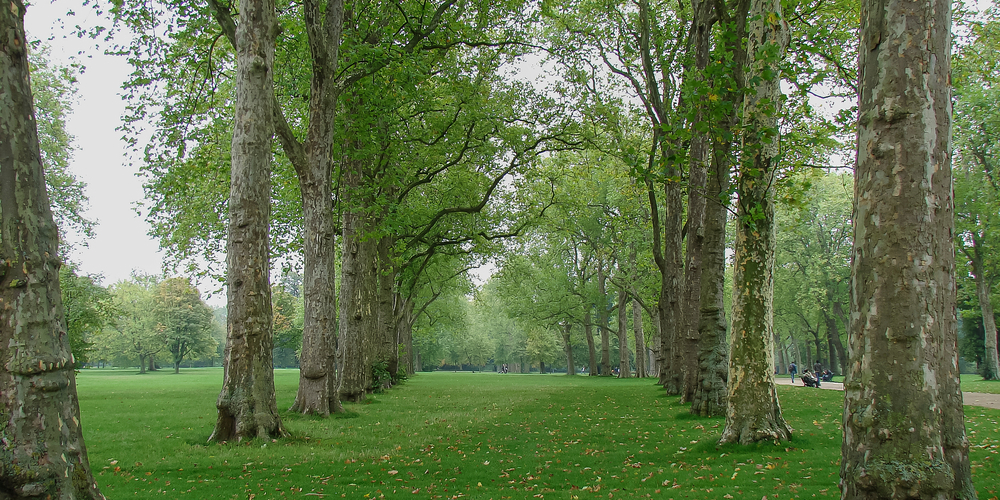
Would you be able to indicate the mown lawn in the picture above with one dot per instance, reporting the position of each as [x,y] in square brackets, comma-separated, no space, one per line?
[975,383]
[483,436]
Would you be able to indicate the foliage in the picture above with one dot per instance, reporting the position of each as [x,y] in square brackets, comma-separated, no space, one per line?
[184,322]
[479,435]
[88,310]
[54,89]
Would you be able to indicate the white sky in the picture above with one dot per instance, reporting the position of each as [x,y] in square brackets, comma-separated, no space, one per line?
[101,161]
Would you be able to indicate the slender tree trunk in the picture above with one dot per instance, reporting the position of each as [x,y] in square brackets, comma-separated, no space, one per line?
[602,319]
[142,365]
[385,321]
[753,413]
[568,349]
[624,366]
[588,330]
[904,429]
[838,345]
[640,341]
[406,335]
[247,406]
[990,368]
[42,453]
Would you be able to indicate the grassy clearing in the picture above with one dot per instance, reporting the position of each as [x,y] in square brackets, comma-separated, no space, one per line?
[975,383]
[482,436]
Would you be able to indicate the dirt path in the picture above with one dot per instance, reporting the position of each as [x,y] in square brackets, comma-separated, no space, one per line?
[971,398]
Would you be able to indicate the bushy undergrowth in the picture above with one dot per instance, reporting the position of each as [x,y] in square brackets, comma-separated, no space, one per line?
[461,435]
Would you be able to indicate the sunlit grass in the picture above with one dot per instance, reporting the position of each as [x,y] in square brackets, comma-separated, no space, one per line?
[483,436]
[975,383]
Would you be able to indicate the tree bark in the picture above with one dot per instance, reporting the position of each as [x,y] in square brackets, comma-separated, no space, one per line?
[568,349]
[247,406]
[753,413]
[588,331]
[904,430]
[602,319]
[43,454]
[698,155]
[357,288]
[624,365]
[640,341]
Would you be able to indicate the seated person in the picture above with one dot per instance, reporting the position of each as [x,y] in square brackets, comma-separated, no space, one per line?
[809,380]
[827,376]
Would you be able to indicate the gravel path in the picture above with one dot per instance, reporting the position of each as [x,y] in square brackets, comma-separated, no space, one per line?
[971,398]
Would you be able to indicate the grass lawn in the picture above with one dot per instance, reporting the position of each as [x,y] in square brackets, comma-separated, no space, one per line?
[482,436]
[975,383]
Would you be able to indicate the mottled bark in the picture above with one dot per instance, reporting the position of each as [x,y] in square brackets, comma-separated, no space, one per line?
[624,364]
[357,288]
[753,413]
[246,404]
[588,332]
[405,334]
[568,349]
[904,430]
[42,452]
[640,341]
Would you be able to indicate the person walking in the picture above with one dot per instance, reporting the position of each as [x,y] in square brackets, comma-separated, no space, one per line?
[792,370]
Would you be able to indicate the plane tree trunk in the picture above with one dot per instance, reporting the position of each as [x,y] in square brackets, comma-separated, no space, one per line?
[247,406]
[904,430]
[753,413]
[44,455]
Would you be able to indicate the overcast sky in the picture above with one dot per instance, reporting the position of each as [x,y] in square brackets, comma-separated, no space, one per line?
[101,159]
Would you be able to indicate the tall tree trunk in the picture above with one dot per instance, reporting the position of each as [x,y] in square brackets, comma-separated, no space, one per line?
[904,430]
[640,341]
[624,366]
[247,406]
[357,318]
[602,319]
[699,155]
[588,331]
[838,345]
[405,334]
[385,321]
[753,413]
[142,364]
[990,368]
[568,349]
[42,451]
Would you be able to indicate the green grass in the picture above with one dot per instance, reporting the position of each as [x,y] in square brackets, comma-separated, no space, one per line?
[482,436]
[975,383]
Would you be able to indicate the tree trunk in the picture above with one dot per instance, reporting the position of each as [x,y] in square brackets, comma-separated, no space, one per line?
[640,341]
[602,319]
[698,154]
[247,406]
[990,368]
[838,345]
[142,364]
[624,365]
[385,321]
[406,335]
[357,311]
[904,430]
[42,451]
[588,330]
[568,349]
[753,413]
[711,393]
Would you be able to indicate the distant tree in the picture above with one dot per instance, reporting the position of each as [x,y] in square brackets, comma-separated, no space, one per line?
[42,451]
[184,321]
[287,311]
[88,310]
[132,332]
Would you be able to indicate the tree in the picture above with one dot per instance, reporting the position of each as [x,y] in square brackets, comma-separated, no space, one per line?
[88,309]
[184,321]
[45,455]
[132,330]
[753,412]
[904,430]
[247,405]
